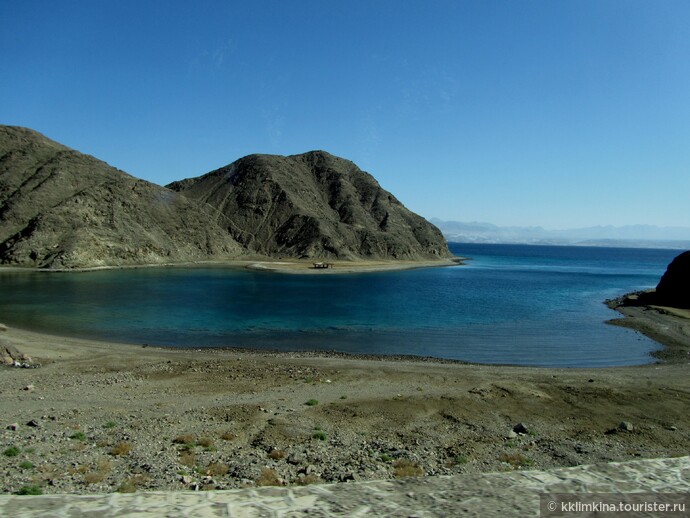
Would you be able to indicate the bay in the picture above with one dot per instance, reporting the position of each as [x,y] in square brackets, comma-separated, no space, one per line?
[511,304]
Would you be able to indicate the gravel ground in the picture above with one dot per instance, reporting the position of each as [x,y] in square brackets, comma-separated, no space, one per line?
[103,417]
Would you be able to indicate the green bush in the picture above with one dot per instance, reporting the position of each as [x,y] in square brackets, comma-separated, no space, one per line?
[30,490]
[312,402]
[12,451]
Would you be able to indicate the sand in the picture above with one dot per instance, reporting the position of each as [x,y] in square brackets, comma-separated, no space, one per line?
[103,417]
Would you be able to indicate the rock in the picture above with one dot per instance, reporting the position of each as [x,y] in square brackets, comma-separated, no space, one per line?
[348,476]
[520,428]
[14,427]
[674,287]
[296,459]
[582,450]
[511,434]
[30,387]
[3,327]
[9,355]
[626,426]
[33,423]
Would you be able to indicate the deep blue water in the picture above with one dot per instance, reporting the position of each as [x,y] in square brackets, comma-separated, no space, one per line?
[515,304]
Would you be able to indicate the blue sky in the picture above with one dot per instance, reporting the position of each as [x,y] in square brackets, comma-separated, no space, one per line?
[552,113]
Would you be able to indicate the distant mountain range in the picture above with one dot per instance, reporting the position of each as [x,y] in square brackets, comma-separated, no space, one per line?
[634,236]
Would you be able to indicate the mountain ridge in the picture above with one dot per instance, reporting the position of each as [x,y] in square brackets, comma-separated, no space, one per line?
[314,204]
[60,208]
[603,235]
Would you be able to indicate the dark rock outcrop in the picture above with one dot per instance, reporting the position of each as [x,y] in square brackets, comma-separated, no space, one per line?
[673,289]
[313,205]
[62,209]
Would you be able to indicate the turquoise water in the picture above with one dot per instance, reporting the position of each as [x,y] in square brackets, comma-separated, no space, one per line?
[526,305]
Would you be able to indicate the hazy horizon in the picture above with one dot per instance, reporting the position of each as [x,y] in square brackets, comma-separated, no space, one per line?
[564,114]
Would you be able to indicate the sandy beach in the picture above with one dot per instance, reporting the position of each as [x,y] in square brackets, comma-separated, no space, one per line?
[103,417]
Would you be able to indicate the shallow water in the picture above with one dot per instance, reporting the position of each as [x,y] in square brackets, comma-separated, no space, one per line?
[526,305]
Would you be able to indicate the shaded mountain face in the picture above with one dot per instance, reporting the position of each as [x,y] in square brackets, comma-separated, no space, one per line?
[313,205]
[674,287]
[62,209]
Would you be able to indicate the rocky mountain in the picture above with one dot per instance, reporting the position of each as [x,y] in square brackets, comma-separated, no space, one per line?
[674,287]
[313,205]
[61,209]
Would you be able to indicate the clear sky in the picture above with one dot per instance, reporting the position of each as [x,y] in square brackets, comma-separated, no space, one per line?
[554,113]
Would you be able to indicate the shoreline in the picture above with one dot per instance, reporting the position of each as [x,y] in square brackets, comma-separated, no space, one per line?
[293,266]
[669,327]
[103,417]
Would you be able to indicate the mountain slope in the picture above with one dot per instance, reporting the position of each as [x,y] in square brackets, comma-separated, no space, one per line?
[61,209]
[313,205]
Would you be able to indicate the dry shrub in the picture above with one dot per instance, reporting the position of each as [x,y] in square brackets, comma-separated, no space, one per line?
[205,442]
[94,477]
[217,469]
[516,460]
[188,458]
[131,484]
[406,468]
[139,479]
[184,439]
[103,467]
[127,487]
[305,480]
[268,477]
[73,470]
[121,448]
[277,454]
[228,436]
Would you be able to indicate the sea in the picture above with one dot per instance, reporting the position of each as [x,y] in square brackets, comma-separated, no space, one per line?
[508,304]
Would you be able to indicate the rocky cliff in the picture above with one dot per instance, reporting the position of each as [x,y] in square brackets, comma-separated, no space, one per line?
[674,287]
[61,209]
[313,205]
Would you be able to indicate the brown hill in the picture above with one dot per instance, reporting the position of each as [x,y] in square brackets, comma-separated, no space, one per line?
[313,205]
[61,208]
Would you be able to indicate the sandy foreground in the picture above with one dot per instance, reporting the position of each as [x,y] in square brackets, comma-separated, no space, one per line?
[103,417]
